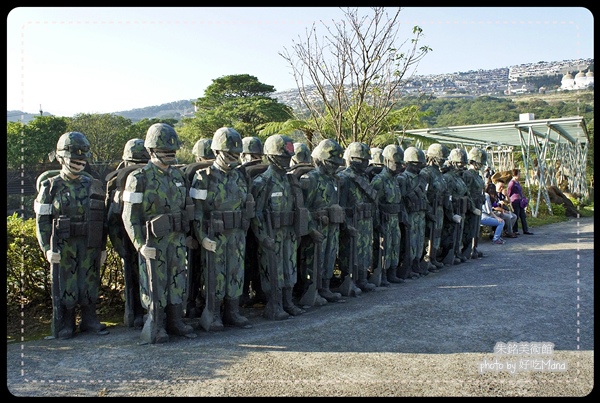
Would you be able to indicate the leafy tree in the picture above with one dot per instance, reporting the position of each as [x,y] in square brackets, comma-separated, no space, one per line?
[29,144]
[107,135]
[350,78]
[238,101]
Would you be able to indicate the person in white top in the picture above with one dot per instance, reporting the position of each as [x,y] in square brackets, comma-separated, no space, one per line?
[489,217]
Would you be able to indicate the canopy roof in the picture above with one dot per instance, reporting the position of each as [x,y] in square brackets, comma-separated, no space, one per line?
[570,130]
[542,143]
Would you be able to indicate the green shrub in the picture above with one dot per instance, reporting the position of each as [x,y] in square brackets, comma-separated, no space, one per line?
[28,279]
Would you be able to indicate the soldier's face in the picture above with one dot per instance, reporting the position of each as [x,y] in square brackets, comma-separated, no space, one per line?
[74,166]
[229,159]
[165,157]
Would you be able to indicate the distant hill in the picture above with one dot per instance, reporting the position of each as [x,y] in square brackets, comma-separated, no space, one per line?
[171,110]
[495,82]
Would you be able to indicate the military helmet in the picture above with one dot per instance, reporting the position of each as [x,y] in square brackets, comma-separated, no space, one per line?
[329,150]
[278,144]
[252,145]
[376,156]
[227,139]
[301,154]
[394,153]
[163,137]
[421,155]
[135,151]
[357,150]
[436,150]
[73,145]
[411,154]
[445,152]
[202,149]
[478,155]
[458,155]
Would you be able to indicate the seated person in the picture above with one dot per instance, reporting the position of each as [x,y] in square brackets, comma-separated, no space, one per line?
[489,217]
[497,198]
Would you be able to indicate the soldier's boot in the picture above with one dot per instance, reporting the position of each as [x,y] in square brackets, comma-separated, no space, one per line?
[138,316]
[411,270]
[161,333]
[434,259]
[384,279]
[362,282]
[326,293]
[68,324]
[429,266]
[424,267]
[391,276]
[274,310]
[232,316]
[90,321]
[288,303]
[319,300]
[217,323]
[175,323]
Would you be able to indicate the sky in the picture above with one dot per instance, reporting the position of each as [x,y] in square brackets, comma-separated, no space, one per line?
[70,60]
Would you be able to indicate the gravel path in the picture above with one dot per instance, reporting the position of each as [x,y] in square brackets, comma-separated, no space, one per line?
[426,337]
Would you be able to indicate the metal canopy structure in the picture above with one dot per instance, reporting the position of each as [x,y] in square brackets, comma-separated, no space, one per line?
[553,149]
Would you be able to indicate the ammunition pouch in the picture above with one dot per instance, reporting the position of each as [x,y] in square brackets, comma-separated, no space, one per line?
[336,214]
[95,223]
[250,208]
[362,211]
[189,214]
[282,218]
[301,221]
[62,226]
[231,219]
[160,225]
[216,222]
[163,224]
[393,208]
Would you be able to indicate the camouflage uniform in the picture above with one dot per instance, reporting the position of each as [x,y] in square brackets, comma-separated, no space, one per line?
[77,200]
[300,164]
[223,208]
[134,156]
[452,231]
[274,226]
[391,212]
[204,157]
[156,215]
[357,197]
[476,186]
[252,166]
[320,191]
[439,203]
[375,166]
[416,206]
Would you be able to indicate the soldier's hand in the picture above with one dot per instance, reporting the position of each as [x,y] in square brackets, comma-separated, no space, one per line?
[52,257]
[209,244]
[191,243]
[316,236]
[269,243]
[148,252]
[103,256]
[352,231]
[477,211]
[456,218]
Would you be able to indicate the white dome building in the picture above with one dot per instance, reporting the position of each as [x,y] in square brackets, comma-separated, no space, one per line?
[581,81]
[567,82]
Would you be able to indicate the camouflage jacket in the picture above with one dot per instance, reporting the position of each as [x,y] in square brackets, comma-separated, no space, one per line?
[149,192]
[78,199]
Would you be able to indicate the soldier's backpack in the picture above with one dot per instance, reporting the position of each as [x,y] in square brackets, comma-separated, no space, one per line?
[115,185]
